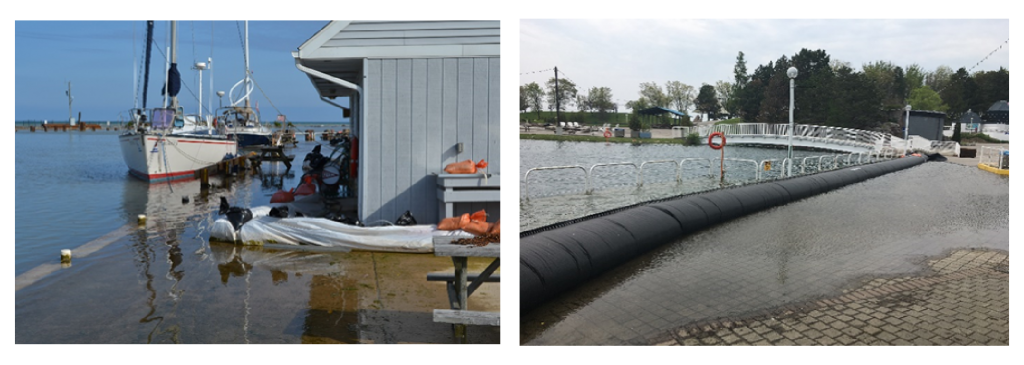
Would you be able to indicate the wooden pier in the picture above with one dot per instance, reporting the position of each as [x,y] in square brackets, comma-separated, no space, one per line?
[64,127]
[226,167]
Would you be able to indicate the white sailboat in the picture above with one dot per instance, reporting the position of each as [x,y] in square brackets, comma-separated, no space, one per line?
[164,144]
[240,120]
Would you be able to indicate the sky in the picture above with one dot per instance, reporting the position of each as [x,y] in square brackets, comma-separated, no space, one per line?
[99,59]
[622,53]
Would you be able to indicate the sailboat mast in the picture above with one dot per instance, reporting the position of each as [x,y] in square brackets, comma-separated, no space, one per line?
[247,82]
[174,59]
[149,48]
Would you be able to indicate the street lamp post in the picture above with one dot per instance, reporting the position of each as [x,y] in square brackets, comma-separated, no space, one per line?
[791,72]
[906,131]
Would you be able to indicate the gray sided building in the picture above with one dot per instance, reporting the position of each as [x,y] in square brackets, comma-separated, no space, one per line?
[417,89]
[927,124]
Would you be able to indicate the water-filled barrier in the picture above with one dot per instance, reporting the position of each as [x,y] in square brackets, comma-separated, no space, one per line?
[558,257]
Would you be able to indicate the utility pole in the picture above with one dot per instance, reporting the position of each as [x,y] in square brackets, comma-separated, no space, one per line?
[558,106]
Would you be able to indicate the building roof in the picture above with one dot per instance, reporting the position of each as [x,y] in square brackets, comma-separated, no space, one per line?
[340,47]
[970,117]
[927,113]
[1000,106]
[999,113]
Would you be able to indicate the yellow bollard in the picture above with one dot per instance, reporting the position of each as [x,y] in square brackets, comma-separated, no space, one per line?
[65,256]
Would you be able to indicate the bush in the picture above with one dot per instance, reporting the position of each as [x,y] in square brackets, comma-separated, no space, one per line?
[634,122]
[956,133]
[692,139]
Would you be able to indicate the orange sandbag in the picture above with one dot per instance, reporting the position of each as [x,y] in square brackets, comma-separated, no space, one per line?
[464,167]
[479,216]
[305,189]
[495,228]
[453,223]
[282,196]
[477,228]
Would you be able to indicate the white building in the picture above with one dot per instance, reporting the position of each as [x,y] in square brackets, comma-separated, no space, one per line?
[417,89]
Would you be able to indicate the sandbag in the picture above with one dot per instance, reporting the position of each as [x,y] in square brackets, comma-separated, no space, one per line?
[282,196]
[479,216]
[495,228]
[453,223]
[464,167]
[406,220]
[477,228]
[305,189]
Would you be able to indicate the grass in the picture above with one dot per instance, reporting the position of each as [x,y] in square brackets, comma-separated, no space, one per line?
[731,121]
[979,138]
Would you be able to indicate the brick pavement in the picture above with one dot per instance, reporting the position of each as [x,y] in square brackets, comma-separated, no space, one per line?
[964,300]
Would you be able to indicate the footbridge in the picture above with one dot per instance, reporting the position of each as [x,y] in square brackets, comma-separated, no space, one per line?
[821,137]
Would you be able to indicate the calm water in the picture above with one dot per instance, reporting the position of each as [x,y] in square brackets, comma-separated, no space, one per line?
[167,284]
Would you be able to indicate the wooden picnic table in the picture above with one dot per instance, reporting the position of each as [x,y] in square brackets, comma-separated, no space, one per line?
[276,153]
[462,284]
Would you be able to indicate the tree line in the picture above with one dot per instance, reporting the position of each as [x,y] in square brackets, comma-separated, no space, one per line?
[828,92]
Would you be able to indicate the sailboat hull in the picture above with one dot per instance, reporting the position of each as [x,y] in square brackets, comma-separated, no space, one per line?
[156,158]
[246,139]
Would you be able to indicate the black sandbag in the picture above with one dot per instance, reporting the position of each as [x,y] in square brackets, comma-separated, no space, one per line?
[406,219]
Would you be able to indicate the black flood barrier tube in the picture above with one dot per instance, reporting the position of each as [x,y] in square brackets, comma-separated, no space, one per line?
[556,258]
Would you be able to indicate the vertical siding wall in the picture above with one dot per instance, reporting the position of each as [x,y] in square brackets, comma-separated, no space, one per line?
[417,110]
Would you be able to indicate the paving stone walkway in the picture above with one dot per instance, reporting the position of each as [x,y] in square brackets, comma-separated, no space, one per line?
[963,301]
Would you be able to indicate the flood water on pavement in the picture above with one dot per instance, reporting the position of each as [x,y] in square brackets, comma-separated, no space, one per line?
[801,251]
[166,283]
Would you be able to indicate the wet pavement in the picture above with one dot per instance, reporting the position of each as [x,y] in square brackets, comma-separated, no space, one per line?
[799,262]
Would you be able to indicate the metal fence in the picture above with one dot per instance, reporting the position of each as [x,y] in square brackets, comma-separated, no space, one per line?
[763,170]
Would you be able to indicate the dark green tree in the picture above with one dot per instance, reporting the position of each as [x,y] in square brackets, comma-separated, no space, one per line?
[956,133]
[600,100]
[813,86]
[523,105]
[775,105]
[566,93]
[959,93]
[855,103]
[534,97]
[706,101]
[992,86]
[740,80]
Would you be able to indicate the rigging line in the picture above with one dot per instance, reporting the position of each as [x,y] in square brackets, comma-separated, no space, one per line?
[944,86]
[192,25]
[1007,41]
[241,39]
[264,93]
[533,72]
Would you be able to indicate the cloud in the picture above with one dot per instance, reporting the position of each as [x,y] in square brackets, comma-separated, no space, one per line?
[622,53]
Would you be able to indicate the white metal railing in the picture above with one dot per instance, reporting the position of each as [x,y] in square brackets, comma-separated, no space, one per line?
[645,163]
[993,156]
[590,174]
[526,178]
[762,169]
[694,159]
[838,135]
